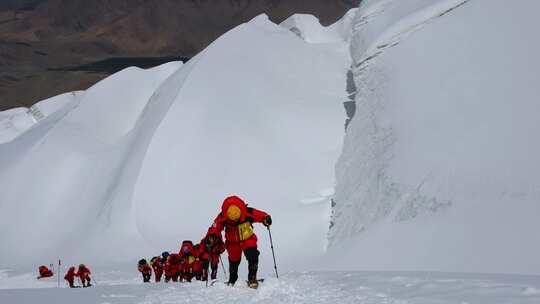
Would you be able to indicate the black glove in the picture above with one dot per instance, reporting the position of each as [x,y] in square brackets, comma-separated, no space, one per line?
[267,221]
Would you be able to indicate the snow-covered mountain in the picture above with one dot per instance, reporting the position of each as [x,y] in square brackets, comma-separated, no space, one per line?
[437,169]
[144,159]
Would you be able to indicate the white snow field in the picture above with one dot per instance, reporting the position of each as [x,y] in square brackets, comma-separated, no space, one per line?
[436,177]
[297,287]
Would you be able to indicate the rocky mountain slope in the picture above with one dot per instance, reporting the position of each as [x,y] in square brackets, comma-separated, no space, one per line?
[42,42]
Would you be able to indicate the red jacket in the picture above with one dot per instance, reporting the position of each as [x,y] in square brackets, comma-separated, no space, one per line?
[197,264]
[157,265]
[44,272]
[198,252]
[145,269]
[83,272]
[186,249]
[70,275]
[172,265]
[248,215]
[202,252]
[217,247]
[187,254]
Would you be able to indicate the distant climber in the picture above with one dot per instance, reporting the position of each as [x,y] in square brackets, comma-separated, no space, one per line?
[197,266]
[70,277]
[164,256]
[84,275]
[145,270]
[187,257]
[44,272]
[237,219]
[172,267]
[157,266]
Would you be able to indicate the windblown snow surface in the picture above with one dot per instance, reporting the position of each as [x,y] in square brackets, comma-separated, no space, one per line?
[437,170]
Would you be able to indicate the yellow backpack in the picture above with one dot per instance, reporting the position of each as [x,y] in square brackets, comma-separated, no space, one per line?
[245,231]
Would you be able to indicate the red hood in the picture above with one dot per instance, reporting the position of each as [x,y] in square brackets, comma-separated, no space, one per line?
[187,244]
[238,202]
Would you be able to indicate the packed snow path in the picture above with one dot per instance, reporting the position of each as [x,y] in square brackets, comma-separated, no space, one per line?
[306,287]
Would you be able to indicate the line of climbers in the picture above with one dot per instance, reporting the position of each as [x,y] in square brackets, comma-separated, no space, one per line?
[236,219]
[83,273]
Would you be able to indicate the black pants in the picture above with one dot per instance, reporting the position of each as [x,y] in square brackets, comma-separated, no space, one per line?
[146,277]
[214,267]
[214,272]
[252,256]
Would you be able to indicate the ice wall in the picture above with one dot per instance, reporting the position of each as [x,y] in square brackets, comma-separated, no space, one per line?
[440,167]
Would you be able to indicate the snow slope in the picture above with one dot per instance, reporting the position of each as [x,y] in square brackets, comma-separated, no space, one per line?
[298,287]
[440,165]
[144,159]
[57,176]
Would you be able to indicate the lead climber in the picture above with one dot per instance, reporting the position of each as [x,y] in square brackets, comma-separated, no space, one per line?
[237,219]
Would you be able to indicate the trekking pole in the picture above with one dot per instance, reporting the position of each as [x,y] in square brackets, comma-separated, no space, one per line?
[209,266]
[272,247]
[223,266]
[58,272]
